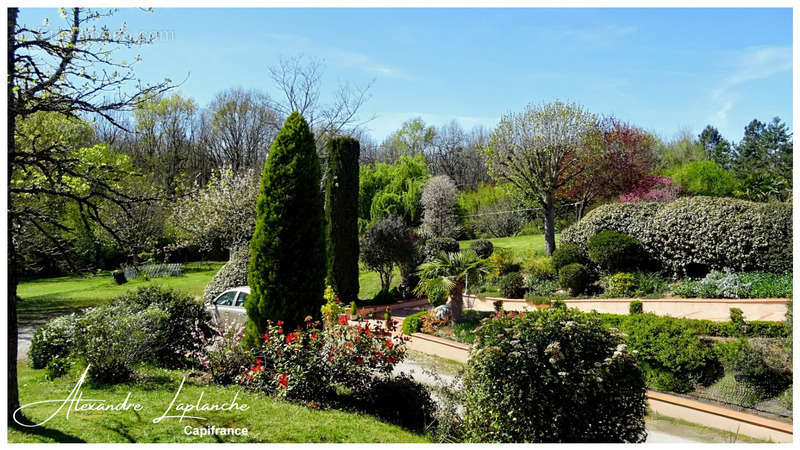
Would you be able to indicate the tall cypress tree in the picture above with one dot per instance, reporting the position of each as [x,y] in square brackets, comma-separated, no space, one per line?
[287,251]
[341,212]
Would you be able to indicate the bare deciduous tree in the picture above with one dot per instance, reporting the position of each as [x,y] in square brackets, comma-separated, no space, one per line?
[238,128]
[299,79]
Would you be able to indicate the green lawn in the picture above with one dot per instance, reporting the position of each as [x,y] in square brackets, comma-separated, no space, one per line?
[521,245]
[267,420]
[48,297]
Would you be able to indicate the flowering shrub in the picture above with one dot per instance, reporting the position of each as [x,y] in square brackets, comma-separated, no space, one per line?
[112,340]
[652,189]
[332,309]
[311,363]
[221,351]
[553,375]
[55,339]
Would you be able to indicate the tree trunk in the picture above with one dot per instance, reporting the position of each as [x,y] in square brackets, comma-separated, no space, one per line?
[580,209]
[457,300]
[548,204]
[13,388]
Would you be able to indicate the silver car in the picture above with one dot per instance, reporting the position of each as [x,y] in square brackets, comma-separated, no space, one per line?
[229,305]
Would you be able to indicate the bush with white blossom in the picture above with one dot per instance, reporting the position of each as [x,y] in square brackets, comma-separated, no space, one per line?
[553,375]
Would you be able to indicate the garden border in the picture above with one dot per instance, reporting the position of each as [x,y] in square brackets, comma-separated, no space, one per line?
[665,404]
[718,310]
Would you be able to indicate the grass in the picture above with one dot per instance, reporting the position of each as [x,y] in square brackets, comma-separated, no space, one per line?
[522,246]
[43,298]
[267,420]
[370,283]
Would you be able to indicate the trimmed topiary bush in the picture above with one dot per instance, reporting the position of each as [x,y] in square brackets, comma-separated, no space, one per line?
[635,307]
[435,245]
[119,276]
[574,277]
[341,212]
[568,254]
[232,274]
[512,285]
[287,252]
[555,375]
[482,247]
[615,252]
[694,235]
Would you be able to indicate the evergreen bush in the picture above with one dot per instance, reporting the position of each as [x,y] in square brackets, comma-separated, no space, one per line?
[287,251]
[615,252]
[341,212]
[574,277]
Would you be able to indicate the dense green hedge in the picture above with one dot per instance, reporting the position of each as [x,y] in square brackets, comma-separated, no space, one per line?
[674,356]
[694,235]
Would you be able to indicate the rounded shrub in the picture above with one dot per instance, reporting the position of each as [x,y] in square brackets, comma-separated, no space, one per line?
[119,276]
[554,375]
[435,245]
[482,247]
[567,254]
[614,251]
[635,307]
[55,339]
[512,285]
[574,277]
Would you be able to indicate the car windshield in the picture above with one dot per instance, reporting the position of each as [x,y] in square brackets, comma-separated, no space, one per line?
[226,299]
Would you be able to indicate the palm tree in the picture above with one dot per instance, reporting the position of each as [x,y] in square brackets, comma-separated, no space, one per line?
[449,272]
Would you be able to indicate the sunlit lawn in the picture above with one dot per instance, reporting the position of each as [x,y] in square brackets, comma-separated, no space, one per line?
[267,420]
[46,297]
[521,245]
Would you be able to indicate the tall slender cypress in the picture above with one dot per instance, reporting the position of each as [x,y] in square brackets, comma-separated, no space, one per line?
[287,251]
[341,212]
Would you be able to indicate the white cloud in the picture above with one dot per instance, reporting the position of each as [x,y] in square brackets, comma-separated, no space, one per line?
[594,36]
[750,64]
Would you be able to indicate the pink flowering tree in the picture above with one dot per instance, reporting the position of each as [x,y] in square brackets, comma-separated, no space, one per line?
[652,189]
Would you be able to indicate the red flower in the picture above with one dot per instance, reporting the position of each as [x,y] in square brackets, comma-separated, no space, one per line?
[342,320]
[359,361]
[291,337]
[389,344]
[266,336]
[283,380]
[314,337]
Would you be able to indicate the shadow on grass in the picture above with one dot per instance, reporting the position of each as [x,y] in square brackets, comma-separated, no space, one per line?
[44,432]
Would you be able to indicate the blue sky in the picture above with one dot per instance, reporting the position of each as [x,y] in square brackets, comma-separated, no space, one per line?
[665,70]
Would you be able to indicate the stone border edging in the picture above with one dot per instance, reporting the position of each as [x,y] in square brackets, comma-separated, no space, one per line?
[393,306]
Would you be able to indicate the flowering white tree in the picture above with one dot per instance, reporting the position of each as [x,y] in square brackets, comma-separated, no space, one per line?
[222,213]
[439,204]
